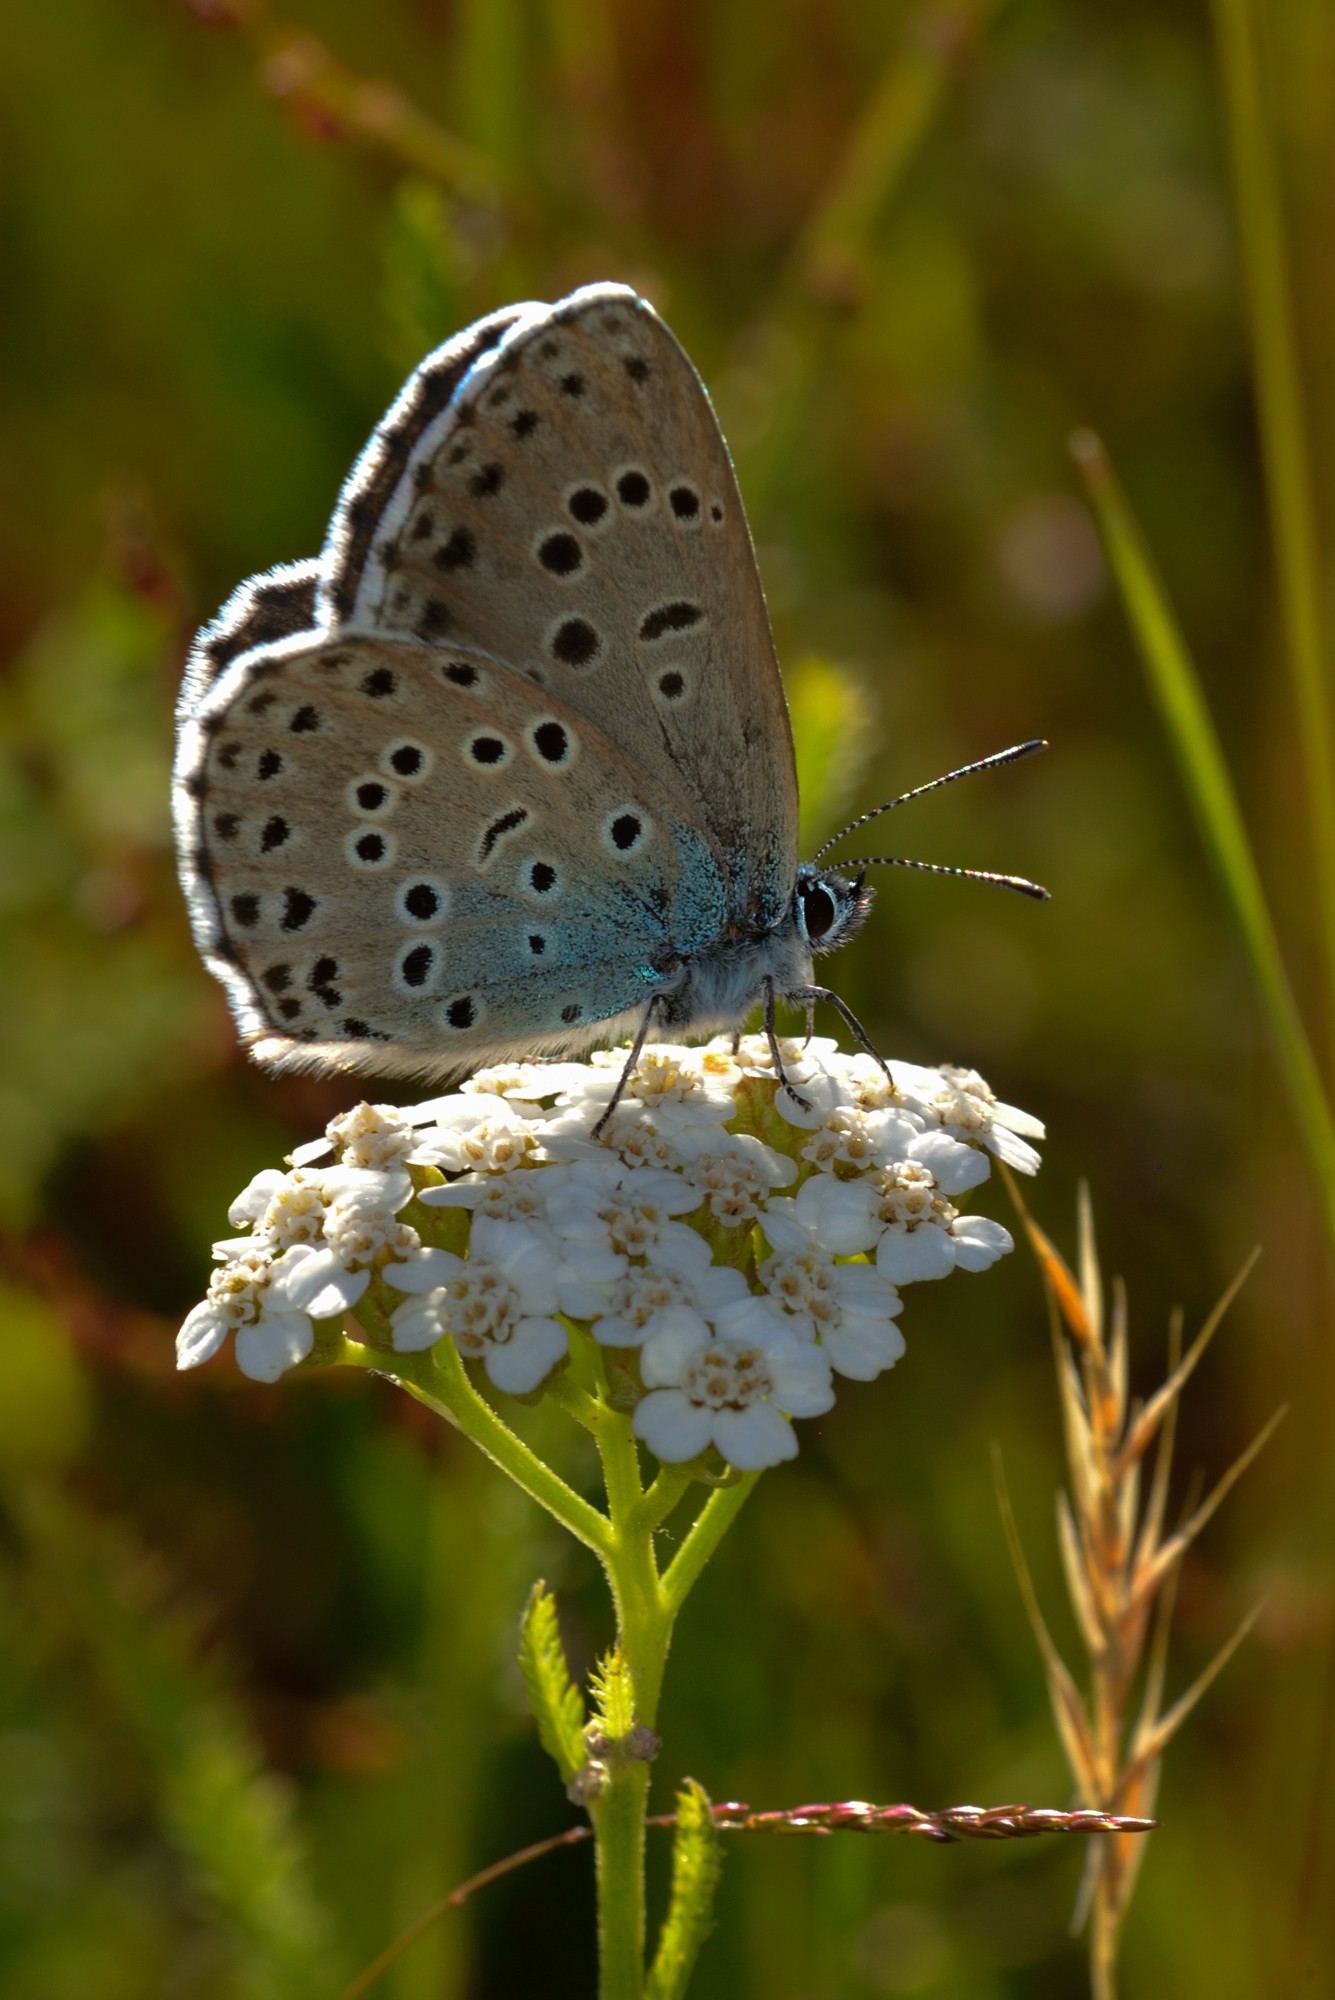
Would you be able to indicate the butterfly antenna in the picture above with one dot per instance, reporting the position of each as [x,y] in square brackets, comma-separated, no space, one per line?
[1011,756]
[1019,882]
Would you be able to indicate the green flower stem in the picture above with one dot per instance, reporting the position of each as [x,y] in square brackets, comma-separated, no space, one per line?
[710,1525]
[562,1389]
[644,1633]
[588,1369]
[647,1607]
[437,1378]
[666,1493]
[618,1832]
[621,1465]
[646,1604]
[644,1619]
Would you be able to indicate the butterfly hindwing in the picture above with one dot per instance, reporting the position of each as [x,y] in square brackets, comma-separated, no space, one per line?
[410,858]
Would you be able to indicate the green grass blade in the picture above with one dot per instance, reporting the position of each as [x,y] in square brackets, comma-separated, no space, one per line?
[1177,690]
[826,271]
[1283,431]
[828,258]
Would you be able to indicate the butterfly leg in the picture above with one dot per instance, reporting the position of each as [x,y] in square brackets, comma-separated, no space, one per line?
[641,1035]
[773,1040]
[807,996]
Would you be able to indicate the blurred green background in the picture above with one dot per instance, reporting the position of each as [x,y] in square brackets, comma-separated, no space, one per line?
[257,1705]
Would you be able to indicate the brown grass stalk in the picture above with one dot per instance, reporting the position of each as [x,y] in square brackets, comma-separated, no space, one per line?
[1121,1565]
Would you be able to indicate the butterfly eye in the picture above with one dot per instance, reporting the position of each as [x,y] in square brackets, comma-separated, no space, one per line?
[818,910]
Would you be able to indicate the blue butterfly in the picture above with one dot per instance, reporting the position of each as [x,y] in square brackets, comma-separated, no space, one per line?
[508,769]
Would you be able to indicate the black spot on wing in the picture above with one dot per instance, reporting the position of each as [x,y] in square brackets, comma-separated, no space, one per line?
[678,616]
[416,965]
[459,551]
[500,827]
[575,642]
[560,554]
[587,505]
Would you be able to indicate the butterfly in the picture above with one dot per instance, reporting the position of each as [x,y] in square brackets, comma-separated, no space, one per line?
[508,769]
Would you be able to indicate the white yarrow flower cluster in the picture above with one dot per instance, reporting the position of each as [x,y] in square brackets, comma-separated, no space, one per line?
[732,1246]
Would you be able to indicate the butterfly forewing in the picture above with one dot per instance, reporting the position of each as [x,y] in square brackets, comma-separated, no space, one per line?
[422,406]
[265,608]
[534,749]
[575,512]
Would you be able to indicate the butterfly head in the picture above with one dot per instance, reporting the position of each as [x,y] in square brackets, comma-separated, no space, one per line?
[828,908]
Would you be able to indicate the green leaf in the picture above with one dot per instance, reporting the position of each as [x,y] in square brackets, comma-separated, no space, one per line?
[696,1866]
[835,735]
[103,1605]
[85,755]
[613,1695]
[557,1704]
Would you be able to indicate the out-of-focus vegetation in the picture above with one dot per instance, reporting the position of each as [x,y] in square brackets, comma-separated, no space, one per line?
[257,1701]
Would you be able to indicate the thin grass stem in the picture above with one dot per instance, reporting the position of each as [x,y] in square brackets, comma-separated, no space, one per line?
[1283,432]
[1176,687]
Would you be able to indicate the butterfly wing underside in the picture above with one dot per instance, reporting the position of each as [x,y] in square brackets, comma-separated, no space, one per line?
[473,783]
